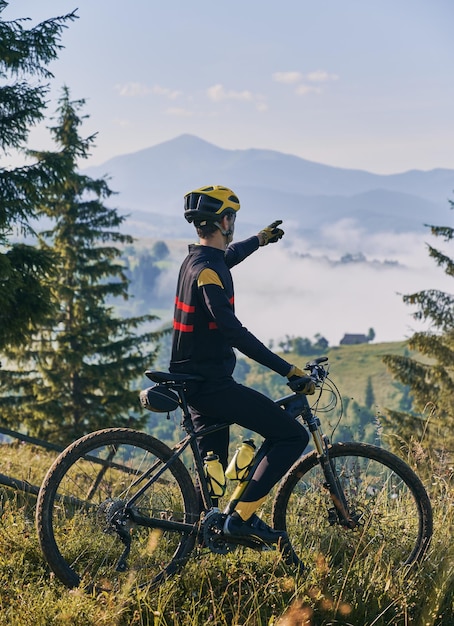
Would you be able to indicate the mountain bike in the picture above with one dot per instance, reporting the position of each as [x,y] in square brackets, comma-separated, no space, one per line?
[118,504]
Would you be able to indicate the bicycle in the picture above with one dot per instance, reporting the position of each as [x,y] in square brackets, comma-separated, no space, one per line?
[119,502]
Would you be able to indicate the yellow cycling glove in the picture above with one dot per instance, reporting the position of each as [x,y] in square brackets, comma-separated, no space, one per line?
[306,384]
[271,233]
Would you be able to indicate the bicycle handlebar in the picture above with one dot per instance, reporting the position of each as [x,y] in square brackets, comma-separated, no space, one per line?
[317,372]
[315,362]
[317,375]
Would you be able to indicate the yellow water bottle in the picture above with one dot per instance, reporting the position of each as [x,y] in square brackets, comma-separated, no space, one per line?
[241,461]
[215,474]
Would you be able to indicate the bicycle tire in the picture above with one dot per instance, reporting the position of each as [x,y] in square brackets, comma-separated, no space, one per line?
[395,514]
[90,480]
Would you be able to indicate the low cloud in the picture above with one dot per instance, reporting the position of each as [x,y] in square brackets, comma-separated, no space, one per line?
[132,90]
[218,93]
[288,78]
[304,82]
[347,236]
[137,90]
[320,76]
[280,292]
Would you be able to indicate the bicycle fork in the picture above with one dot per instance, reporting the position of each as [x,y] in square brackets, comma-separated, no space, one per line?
[340,513]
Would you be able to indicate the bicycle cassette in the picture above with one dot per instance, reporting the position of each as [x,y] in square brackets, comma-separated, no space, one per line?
[112,516]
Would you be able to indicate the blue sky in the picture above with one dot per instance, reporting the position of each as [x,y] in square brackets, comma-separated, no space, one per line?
[366,84]
[351,83]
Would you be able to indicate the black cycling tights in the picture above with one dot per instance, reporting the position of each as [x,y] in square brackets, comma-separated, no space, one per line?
[229,402]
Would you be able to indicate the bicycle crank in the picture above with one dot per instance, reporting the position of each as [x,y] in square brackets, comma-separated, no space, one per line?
[217,542]
[213,537]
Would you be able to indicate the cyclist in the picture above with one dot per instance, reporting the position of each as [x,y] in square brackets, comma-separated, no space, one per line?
[205,333]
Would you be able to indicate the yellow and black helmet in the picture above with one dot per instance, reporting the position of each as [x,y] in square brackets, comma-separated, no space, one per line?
[209,204]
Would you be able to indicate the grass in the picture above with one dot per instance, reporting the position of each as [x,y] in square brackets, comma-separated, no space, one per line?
[243,588]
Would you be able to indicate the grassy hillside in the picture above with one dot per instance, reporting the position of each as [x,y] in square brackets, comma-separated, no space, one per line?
[357,371]
[351,367]
[243,588]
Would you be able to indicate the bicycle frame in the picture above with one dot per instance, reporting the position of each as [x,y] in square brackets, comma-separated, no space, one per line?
[386,499]
[321,444]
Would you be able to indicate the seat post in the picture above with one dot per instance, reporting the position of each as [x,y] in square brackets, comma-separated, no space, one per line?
[187,421]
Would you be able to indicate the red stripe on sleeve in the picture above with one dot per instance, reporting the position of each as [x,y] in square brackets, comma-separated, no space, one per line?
[187,308]
[183,328]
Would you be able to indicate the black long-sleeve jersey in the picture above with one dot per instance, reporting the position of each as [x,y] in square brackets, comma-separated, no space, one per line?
[205,328]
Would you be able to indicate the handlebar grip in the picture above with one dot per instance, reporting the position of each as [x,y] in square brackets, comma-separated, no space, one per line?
[300,383]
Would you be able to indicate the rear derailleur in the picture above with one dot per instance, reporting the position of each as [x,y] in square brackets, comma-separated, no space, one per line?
[117,520]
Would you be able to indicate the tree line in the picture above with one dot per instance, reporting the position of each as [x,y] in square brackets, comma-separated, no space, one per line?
[69,363]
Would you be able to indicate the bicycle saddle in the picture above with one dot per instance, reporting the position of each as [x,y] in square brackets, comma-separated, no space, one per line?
[167,377]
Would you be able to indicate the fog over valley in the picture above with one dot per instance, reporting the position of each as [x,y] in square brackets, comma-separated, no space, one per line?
[355,242]
[348,285]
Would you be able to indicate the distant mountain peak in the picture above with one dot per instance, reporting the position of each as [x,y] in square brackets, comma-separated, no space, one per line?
[191,140]
[267,181]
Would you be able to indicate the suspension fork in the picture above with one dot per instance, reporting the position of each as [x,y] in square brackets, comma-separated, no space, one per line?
[336,492]
[332,482]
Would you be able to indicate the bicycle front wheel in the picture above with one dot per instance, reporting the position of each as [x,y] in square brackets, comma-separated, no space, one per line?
[83,498]
[385,495]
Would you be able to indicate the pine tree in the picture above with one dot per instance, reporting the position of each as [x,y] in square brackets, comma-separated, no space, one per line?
[370,395]
[429,375]
[75,376]
[24,53]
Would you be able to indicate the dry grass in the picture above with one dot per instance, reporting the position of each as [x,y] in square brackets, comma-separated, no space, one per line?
[243,589]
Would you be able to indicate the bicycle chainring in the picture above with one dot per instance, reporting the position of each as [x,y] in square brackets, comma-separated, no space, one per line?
[212,526]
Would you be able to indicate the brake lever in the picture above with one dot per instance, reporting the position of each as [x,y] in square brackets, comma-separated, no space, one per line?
[317,372]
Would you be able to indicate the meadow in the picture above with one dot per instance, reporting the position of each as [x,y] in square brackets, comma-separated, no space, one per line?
[243,588]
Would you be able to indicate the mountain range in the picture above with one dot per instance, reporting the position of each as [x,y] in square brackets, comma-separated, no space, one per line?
[271,185]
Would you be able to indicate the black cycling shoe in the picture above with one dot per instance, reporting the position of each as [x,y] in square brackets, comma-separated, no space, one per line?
[254,528]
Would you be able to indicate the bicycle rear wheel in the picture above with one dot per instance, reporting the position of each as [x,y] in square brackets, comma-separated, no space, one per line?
[392,506]
[82,496]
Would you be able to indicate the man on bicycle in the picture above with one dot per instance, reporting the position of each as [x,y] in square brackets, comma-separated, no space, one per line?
[205,333]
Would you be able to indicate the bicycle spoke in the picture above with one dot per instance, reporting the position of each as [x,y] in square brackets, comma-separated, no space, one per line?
[383,494]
